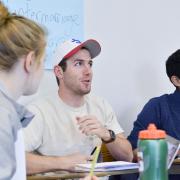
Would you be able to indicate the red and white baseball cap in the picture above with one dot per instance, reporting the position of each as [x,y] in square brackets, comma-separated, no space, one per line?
[70,47]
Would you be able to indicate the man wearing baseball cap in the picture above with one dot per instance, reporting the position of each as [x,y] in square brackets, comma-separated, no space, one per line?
[69,124]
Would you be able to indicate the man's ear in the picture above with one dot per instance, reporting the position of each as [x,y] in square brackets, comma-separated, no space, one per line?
[58,71]
[29,61]
[175,80]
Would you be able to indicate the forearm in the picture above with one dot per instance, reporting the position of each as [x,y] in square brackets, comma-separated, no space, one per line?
[37,163]
[120,149]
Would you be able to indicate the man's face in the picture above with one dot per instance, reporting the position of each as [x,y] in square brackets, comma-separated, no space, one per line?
[78,74]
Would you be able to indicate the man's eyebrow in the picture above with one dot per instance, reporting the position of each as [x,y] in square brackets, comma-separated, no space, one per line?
[78,60]
[81,60]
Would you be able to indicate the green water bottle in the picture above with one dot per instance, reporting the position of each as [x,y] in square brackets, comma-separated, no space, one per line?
[152,154]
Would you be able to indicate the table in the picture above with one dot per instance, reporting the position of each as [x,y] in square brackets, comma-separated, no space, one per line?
[175,169]
[69,175]
[57,175]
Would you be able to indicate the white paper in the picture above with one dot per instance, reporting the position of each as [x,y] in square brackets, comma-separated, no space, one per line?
[108,166]
[173,148]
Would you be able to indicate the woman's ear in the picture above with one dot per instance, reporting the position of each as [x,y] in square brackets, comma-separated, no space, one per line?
[58,71]
[29,61]
[175,80]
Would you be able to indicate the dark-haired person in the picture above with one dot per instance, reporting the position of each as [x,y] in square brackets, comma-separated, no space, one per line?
[70,123]
[22,46]
[163,111]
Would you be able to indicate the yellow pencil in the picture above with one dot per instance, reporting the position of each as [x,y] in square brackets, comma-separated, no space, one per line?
[96,154]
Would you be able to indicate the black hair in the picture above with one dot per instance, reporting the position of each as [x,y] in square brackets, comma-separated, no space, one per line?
[173,64]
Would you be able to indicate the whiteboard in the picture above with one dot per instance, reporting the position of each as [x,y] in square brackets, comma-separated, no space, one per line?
[63,19]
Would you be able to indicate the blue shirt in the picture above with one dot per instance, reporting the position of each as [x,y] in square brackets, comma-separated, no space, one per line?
[164,112]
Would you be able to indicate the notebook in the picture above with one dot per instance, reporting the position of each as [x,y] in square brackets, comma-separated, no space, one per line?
[108,166]
[173,148]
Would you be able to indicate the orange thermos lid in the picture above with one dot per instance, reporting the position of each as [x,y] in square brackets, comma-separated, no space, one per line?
[152,133]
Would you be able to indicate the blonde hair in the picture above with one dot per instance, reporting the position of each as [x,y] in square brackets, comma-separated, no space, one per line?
[18,36]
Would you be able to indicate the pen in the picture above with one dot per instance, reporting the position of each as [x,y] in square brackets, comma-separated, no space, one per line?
[93,151]
[96,154]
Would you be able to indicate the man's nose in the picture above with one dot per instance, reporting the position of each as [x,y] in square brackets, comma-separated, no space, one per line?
[87,69]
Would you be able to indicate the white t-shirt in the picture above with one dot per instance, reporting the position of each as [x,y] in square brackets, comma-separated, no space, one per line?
[54,129]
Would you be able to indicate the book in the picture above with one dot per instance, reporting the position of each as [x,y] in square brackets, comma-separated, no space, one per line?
[173,148]
[107,166]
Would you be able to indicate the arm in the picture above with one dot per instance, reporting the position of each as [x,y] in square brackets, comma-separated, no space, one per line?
[120,149]
[149,114]
[38,163]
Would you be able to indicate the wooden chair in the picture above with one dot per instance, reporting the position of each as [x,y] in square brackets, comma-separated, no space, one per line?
[106,156]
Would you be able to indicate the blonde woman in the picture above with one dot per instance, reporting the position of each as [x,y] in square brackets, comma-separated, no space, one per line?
[22,46]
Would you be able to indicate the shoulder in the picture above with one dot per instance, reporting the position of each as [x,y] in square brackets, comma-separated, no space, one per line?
[153,110]
[6,104]
[156,101]
[10,123]
[43,103]
[7,122]
[8,114]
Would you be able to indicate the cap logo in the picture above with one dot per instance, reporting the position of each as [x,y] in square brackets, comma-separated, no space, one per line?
[76,41]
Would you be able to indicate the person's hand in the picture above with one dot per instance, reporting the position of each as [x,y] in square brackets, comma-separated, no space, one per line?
[89,125]
[69,162]
[90,178]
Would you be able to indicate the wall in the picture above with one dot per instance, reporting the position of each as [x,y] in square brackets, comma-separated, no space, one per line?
[136,38]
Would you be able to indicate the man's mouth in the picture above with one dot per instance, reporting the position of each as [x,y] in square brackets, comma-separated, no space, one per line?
[86,81]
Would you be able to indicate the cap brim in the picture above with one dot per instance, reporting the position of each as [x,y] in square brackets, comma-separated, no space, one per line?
[91,45]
